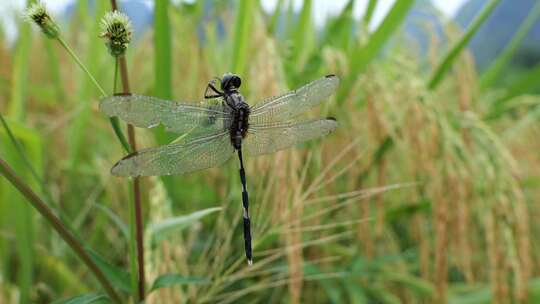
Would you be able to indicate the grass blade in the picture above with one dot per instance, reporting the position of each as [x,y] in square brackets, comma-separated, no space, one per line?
[495,69]
[242,30]
[372,4]
[272,24]
[522,85]
[160,230]
[363,55]
[21,212]
[454,52]
[163,61]
[168,280]
[85,299]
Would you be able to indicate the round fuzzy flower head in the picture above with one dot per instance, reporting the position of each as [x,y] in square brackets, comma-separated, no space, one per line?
[117,31]
[38,14]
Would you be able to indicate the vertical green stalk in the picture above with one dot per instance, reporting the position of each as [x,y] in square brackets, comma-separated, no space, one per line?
[163,62]
[163,58]
[22,215]
[242,30]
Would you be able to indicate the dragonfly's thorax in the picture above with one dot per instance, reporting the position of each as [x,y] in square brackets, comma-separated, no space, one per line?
[240,118]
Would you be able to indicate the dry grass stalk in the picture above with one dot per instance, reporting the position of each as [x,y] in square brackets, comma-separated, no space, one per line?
[441,211]
[294,237]
[465,85]
[523,243]
[378,130]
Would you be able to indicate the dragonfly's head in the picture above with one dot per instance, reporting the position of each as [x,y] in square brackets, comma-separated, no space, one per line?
[230,82]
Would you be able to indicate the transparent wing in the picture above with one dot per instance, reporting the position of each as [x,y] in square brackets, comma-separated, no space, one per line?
[177,158]
[269,138]
[289,105]
[148,112]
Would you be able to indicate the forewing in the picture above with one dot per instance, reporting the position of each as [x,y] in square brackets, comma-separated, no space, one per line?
[177,158]
[148,112]
[289,105]
[265,139]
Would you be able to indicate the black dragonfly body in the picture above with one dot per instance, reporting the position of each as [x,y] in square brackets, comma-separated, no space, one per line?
[217,130]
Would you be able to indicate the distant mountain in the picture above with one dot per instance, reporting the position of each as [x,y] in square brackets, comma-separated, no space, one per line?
[499,29]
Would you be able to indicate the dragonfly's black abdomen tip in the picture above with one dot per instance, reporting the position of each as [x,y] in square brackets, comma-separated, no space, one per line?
[331,118]
[330,76]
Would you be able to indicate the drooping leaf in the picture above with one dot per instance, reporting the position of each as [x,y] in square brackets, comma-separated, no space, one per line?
[168,280]
[160,230]
[92,298]
[118,277]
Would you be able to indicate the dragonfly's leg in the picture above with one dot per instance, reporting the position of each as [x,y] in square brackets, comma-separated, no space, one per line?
[211,87]
[245,204]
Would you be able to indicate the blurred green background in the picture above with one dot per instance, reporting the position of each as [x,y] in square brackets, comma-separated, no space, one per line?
[426,193]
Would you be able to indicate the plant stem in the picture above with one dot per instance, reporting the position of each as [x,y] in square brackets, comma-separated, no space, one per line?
[114,121]
[57,224]
[136,180]
[131,211]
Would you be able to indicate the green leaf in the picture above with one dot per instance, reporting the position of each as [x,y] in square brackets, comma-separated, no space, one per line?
[159,231]
[118,277]
[242,30]
[415,284]
[272,24]
[519,87]
[162,62]
[115,219]
[372,4]
[454,52]
[92,298]
[495,69]
[363,55]
[168,280]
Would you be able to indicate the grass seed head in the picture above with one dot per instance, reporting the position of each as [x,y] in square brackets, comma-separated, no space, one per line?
[116,29]
[38,14]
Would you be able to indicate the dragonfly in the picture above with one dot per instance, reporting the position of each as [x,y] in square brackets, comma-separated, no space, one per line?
[217,128]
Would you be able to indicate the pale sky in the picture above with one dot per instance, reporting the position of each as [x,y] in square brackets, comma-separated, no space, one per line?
[322,9]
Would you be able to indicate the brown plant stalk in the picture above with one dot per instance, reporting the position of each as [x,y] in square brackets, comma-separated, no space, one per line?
[136,180]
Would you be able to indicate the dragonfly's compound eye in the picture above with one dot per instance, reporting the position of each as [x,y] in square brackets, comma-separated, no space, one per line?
[236,81]
[230,81]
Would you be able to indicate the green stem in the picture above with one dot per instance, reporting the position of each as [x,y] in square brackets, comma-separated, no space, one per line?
[114,122]
[57,224]
[81,65]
